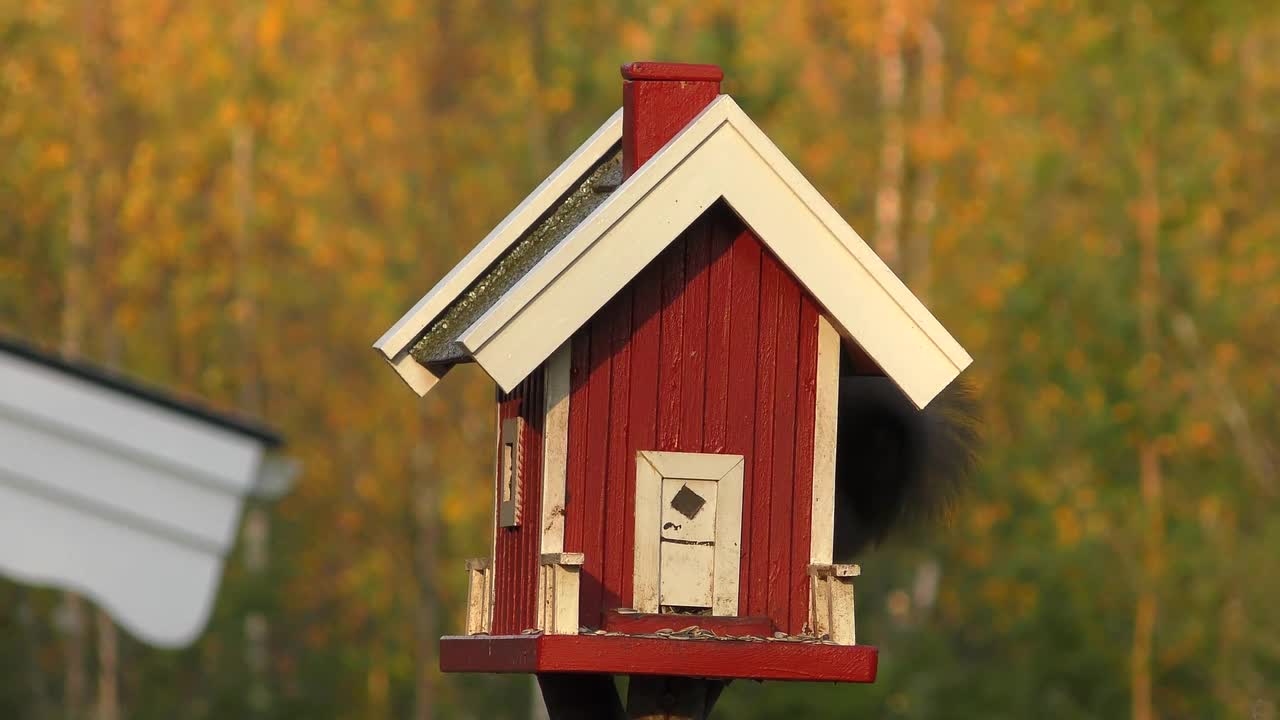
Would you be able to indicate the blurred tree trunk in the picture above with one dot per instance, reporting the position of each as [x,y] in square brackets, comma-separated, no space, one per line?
[536,121]
[107,199]
[74,311]
[73,314]
[924,209]
[892,85]
[257,523]
[33,640]
[438,71]
[1150,476]
[108,666]
[1221,394]
[426,563]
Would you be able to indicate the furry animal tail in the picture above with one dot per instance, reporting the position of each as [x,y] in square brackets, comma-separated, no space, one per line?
[897,466]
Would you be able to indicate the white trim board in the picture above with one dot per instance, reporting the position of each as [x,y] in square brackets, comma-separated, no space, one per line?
[720,154]
[120,497]
[822,509]
[397,341]
[555,458]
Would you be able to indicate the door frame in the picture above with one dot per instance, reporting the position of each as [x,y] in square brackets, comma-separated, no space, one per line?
[652,467]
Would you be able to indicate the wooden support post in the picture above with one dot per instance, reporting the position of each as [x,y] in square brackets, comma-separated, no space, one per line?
[580,697]
[659,697]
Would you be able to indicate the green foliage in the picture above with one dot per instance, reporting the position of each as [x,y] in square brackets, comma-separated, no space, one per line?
[389,137]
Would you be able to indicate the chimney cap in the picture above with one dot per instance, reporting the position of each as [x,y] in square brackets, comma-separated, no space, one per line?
[688,72]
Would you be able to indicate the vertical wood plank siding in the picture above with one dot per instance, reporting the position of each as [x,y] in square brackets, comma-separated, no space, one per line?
[516,550]
[712,348]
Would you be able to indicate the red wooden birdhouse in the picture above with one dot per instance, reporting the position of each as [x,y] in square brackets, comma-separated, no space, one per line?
[665,317]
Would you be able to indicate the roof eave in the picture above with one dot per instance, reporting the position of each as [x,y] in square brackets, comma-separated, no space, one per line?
[420,378]
[396,343]
[865,300]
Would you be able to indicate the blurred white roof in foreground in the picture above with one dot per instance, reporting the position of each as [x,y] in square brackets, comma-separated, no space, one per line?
[127,495]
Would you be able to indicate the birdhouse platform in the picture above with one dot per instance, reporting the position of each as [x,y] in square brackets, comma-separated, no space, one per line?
[687,654]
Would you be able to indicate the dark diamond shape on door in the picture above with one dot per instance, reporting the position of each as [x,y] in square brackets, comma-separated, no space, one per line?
[687,502]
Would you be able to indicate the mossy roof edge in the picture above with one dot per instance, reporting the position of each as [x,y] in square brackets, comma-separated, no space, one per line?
[438,343]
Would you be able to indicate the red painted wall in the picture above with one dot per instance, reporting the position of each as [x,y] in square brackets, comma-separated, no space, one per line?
[516,549]
[712,348]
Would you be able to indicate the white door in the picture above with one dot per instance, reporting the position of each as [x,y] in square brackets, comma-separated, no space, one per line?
[688,532]
[686,556]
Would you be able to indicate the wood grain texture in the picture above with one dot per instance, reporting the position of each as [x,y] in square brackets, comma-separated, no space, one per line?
[781,510]
[742,360]
[760,514]
[661,385]
[515,569]
[560,578]
[555,453]
[645,552]
[693,356]
[670,375]
[805,441]
[719,276]
[579,415]
[652,587]
[643,430]
[624,655]
[658,100]
[687,72]
[597,458]
[826,414]
[618,486]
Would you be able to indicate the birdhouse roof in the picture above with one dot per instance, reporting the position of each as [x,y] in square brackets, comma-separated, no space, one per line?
[122,492]
[126,386]
[581,236]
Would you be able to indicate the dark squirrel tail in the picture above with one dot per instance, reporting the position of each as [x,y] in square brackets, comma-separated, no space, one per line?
[897,466]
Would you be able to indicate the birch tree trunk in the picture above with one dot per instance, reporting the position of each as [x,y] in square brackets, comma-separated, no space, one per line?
[1150,479]
[438,68]
[892,81]
[114,157]
[108,667]
[425,541]
[74,312]
[257,524]
[924,209]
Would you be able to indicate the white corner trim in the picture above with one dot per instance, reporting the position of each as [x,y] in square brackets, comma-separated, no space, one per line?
[720,154]
[822,511]
[727,472]
[555,449]
[555,454]
[395,342]
[497,503]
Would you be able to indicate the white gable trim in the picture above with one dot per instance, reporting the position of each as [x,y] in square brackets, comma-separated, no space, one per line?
[720,154]
[397,341]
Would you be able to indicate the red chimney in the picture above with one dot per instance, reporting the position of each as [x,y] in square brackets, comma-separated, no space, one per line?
[658,100]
